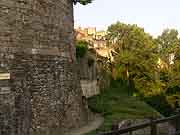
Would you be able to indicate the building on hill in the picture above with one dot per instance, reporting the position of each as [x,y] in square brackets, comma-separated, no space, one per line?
[91,31]
[39,88]
[97,39]
[99,44]
[101,35]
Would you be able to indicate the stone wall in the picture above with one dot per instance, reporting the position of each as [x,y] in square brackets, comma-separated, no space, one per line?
[90,88]
[88,76]
[43,93]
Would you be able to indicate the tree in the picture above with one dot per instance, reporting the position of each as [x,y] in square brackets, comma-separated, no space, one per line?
[83,2]
[169,50]
[168,42]
[174,81]
[169,53]
[136,58]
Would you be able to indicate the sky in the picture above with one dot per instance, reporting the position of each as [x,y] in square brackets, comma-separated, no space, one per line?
[153,15]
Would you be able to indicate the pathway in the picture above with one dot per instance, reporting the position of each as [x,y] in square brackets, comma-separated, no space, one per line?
[88,128]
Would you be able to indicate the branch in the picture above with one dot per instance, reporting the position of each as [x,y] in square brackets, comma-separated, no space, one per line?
[83,2]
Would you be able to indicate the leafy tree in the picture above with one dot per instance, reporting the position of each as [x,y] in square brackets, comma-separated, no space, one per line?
[136,56]
[168,43]
[83,2]
[175,70]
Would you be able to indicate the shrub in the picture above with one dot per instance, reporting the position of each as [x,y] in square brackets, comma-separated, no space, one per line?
[81,48]
[90,61]
[160,103]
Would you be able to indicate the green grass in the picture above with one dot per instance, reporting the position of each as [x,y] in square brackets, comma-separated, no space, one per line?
[116,104]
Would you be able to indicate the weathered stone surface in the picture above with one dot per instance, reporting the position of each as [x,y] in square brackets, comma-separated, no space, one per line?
[88,76]
[90,88]
[43,94]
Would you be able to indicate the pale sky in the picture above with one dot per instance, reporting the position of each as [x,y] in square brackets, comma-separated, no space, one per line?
[153,15]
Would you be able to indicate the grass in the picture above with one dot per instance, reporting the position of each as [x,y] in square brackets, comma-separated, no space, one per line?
[117,103]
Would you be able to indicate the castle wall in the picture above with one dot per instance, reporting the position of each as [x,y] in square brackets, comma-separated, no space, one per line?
[43,93]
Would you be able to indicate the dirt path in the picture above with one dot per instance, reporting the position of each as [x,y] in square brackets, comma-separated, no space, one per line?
[88,128]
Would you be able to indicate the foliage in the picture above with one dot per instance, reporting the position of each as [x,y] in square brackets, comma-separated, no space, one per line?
[81,49]
[103,71]
[83,2]
[136,57]
[145,62]
[91,61]
[160,103]
[174,72]
[168,42]
[174,75]
[169,45]
[115,103]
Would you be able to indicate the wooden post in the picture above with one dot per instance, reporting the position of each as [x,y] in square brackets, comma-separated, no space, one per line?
[130,124]
[178,124]
[115,127]
[153,127]
[131,133]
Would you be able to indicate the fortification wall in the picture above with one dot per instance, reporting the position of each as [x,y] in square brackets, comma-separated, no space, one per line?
[40,92]
[88,76]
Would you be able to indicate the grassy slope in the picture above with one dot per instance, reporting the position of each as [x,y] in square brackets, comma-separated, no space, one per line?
[116,104]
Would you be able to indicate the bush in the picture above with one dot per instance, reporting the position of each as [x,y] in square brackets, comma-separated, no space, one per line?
[173,90]
[90,61]
[160,103]
[81,48]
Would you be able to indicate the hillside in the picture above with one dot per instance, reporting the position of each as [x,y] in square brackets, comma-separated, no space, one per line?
[117,104]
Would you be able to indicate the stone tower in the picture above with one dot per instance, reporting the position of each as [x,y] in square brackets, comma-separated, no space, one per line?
[39,87]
